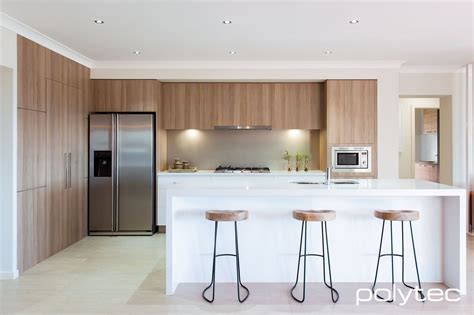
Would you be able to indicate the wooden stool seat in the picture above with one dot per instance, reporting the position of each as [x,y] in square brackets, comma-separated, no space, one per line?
[227,215]
[314,215]
[397,215]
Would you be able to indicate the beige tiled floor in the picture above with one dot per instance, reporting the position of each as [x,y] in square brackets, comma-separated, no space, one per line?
[126,275]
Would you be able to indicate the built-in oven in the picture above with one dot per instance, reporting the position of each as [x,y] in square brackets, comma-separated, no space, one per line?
[351,159]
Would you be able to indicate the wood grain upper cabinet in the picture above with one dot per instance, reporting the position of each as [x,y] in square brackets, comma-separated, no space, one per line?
[296,105]
[189,105]
[227,104]
[243,104]
[124,95]
[351,111]
[206,105]
[31,75]
[430,120]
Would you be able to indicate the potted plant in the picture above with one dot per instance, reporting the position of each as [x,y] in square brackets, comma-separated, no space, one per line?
[306,158]
[287,158]
[299,158]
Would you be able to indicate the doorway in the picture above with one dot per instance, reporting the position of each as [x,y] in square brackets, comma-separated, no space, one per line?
[425,148]
[427,143]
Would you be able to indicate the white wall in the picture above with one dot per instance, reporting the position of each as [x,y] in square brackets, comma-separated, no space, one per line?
[8,157]
[387,94]
[426,84]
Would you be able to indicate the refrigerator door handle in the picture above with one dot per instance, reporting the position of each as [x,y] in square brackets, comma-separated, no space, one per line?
[117,164]
[66,170]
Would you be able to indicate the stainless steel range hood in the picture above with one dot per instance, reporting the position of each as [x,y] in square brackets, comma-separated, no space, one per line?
[238,127]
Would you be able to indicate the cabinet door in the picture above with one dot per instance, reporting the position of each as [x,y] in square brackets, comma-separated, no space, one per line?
[107,96]
[199,105]
[255,104]
[75,160]
[430,120]
[433,173]
[205,109]
[31,167]
[227,104]
[173,106]
[296,105]
[57,67]
[57,161]
[139,95]
[339,111]
[364,110]
[351,111]
[189,105]
[31,75]
[33,228]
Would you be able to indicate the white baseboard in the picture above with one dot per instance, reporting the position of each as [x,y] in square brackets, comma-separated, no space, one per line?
[8,275]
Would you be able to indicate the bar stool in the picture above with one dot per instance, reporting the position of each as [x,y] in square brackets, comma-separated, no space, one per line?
[221,216]
[319,216]
[402,216]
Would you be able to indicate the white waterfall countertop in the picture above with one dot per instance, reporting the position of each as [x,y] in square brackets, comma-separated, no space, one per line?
[363,187]
[268,240]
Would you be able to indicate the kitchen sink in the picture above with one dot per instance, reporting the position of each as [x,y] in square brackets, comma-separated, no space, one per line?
[344,182]
[335,182]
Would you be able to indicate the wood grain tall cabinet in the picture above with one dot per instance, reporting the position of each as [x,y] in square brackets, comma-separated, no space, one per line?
[351,120]
[53,105]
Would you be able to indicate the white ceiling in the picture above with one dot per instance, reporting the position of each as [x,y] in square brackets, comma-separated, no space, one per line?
[426,33]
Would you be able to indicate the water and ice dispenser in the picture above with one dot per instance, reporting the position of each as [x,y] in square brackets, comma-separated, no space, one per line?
[102,163]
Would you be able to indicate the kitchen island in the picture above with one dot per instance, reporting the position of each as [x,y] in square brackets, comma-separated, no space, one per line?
[269,239]
[167,180]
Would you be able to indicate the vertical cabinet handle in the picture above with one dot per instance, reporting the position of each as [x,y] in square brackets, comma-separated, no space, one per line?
[66,170]
[70,168]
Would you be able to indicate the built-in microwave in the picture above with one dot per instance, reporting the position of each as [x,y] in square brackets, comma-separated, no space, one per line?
[351,159]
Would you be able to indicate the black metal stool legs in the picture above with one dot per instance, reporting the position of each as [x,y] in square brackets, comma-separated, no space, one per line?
[237,262]
[420,291]
[402,255]
[333,291]
[325,243]
[303,229]
[213,278]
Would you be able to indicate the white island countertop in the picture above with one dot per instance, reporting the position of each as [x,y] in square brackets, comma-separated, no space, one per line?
[364,187]
[268,240]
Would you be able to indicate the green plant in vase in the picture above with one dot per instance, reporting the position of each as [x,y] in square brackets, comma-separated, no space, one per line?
[299,158]
[307,159]
[287,158]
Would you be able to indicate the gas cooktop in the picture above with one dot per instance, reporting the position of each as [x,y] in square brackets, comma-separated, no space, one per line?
[231,169]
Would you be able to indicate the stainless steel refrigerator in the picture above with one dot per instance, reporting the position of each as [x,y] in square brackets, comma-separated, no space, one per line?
[121,174]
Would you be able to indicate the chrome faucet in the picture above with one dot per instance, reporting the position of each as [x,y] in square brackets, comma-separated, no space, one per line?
[328,176]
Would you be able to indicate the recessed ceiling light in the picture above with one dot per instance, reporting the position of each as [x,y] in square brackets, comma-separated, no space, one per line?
[227,22]
[355,21]
[99,22]
[328,52]
[232,52]
[137,52]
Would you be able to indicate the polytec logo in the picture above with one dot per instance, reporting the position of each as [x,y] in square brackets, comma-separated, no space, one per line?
[432,295]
